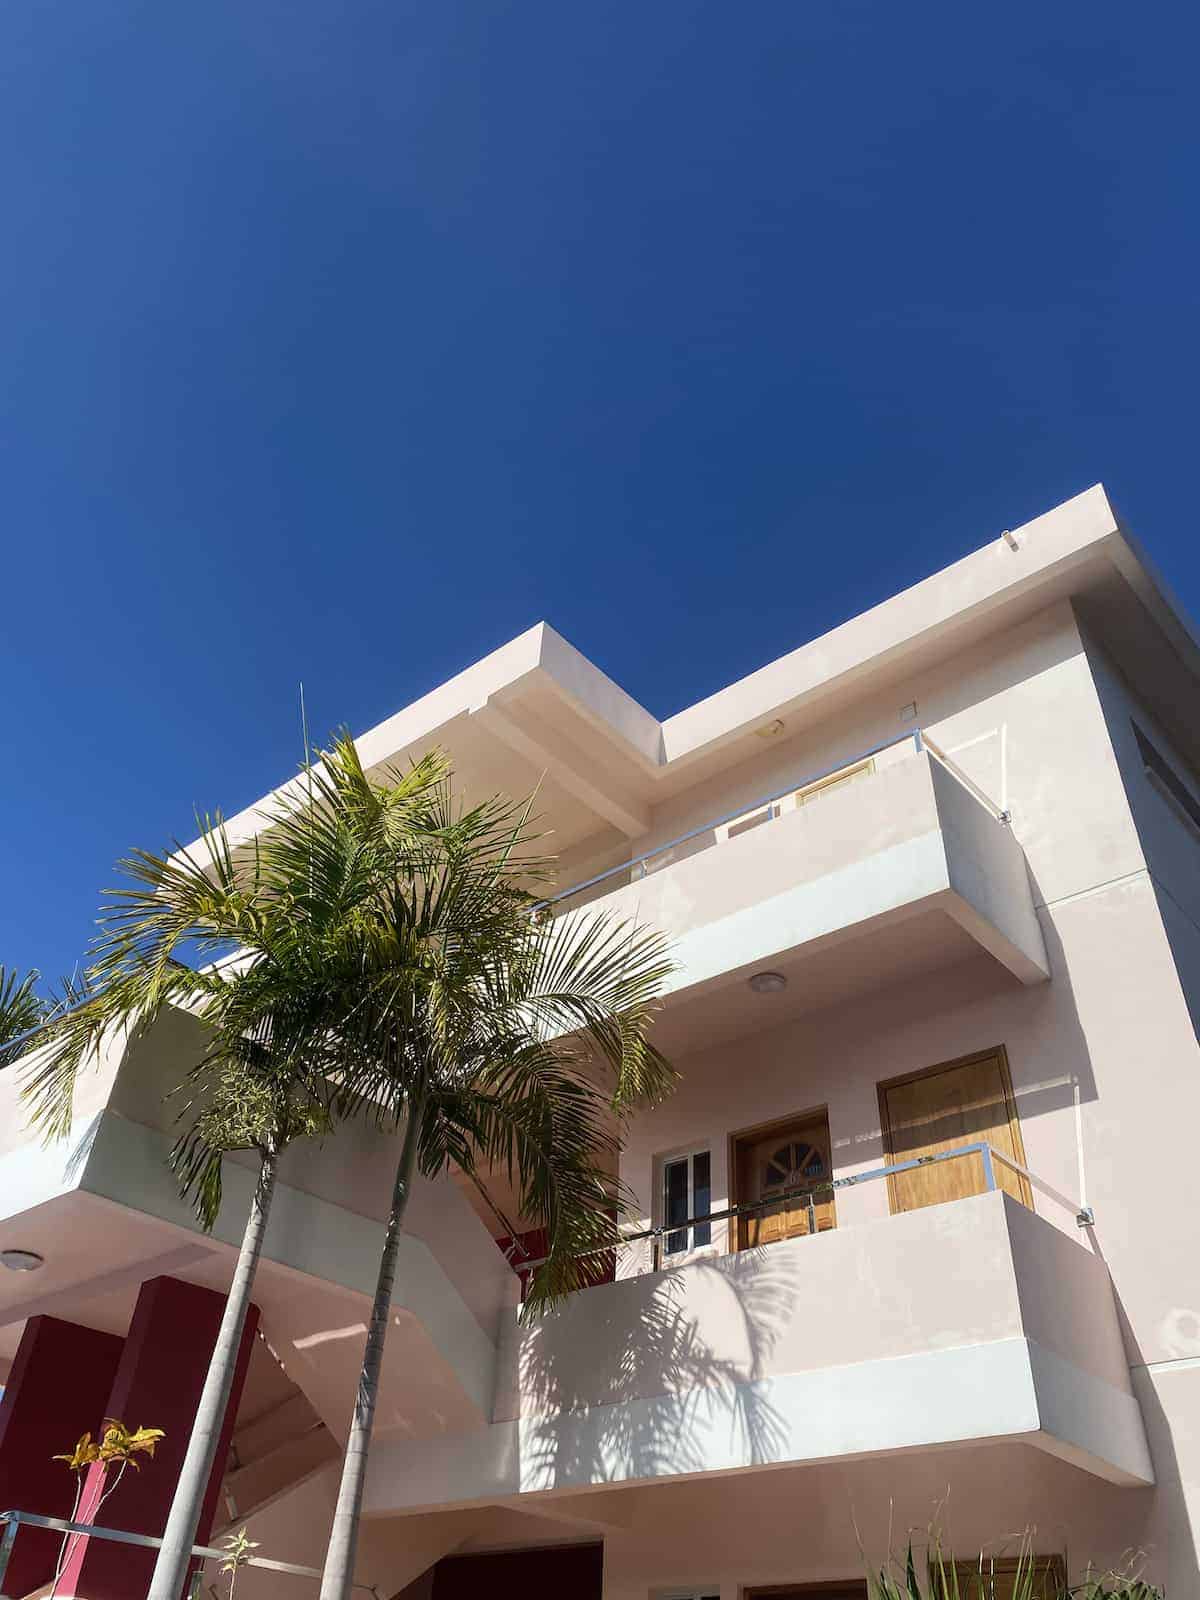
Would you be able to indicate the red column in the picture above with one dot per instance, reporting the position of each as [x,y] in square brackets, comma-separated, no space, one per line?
[157,1385]
[57,1390]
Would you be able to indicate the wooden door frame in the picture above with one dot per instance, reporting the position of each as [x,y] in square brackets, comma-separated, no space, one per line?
[760,1130]
[998,1053]
[844,1588]
[1052,1566]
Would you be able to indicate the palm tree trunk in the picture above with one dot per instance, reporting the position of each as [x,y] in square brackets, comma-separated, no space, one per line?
[175,1556]
[338,1577]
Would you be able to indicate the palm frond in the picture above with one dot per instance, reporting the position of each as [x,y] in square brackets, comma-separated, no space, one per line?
[386,956]
[21,1010]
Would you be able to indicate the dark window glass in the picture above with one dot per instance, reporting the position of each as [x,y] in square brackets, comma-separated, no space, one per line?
[1160,768]
[675,1204]
[701,1197]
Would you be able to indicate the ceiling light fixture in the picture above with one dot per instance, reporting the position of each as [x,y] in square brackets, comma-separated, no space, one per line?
[768,982]
[20,1260]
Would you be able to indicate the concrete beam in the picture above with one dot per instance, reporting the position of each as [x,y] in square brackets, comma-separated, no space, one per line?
[579,774]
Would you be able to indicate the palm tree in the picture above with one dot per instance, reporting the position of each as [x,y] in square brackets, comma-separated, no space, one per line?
[278,931]
[378,950]
[502,1040]
[21,1010]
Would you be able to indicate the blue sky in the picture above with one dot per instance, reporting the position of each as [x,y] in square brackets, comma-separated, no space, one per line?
[343,342]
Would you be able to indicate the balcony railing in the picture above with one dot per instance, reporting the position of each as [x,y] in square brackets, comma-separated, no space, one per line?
[13,1521]
[807,1196]
[766,809]
[770,807]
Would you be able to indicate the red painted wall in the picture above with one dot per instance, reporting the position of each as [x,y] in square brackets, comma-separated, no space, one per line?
[532,1246]
[157,1385]
[57,1389]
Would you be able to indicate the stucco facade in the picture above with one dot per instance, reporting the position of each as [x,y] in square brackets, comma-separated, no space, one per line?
[958,829]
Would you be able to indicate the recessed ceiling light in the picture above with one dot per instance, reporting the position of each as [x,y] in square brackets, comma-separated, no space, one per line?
[20,1260]
[768,982]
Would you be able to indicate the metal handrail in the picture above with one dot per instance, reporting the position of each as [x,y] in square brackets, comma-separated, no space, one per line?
[921,742]
[12,1521]
[57,1014]
[967,781]
[1084,1215]
[729,816]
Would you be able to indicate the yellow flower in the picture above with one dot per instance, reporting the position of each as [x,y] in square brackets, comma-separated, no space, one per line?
[119,1443]
[84,1454]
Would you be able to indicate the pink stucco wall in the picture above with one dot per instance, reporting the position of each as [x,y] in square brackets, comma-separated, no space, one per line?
[966,1273]
[1096,1054]
[1106,1075]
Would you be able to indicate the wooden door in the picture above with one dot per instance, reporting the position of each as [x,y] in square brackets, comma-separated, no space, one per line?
[959,1103]
[995,1578]
[777,1162]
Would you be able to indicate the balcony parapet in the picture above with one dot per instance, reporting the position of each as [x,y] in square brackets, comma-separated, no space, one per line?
[968,1322]
[643,1250]
[910,834]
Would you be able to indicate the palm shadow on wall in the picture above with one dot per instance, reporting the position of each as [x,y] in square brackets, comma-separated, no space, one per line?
[675,1386]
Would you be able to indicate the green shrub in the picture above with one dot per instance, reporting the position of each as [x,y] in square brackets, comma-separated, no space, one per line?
[1126,1585]
[1023,1576]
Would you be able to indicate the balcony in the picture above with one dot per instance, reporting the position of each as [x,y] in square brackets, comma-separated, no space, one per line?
[890,864]
[104,1211]
[963,1323]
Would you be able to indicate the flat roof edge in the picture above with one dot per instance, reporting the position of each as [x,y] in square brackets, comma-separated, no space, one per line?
[1020,559]
[1043,554]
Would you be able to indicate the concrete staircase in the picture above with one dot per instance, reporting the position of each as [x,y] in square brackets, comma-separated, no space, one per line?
[278,1441]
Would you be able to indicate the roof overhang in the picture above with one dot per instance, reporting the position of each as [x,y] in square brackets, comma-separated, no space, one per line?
[536,713]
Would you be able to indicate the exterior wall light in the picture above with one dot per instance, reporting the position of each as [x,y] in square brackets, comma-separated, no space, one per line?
[768,982]
[20,1260]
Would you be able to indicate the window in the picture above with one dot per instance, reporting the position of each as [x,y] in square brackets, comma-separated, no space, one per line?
[835,780]
[1166,780]
[751,819]
[791,1167]
[788,802]
[687,1192]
